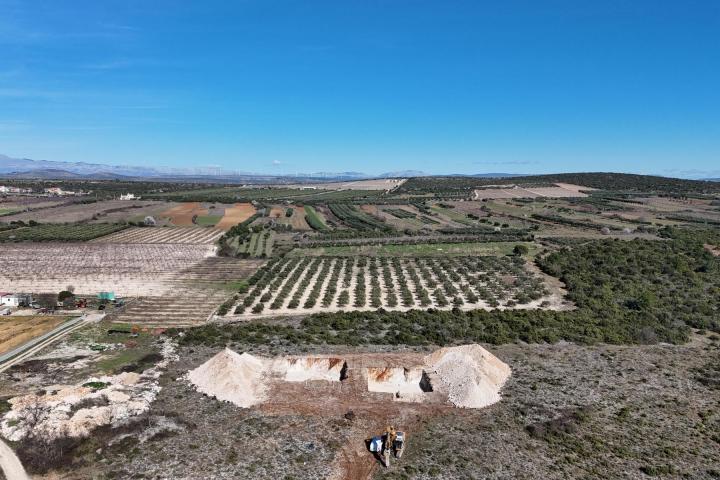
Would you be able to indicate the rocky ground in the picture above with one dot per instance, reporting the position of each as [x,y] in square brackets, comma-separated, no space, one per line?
[584,412]
[568,411]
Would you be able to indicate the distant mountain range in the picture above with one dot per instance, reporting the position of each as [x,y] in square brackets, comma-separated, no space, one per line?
[25,168]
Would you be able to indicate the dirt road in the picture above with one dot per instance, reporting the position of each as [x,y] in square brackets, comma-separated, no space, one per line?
[10,465]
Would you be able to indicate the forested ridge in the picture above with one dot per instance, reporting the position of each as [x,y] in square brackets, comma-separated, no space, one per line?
[618,182]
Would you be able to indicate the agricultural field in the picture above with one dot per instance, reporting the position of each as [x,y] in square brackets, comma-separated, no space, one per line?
[28,203]
[421,249]
[312,313]
[125,268]
[385,184]
[15,330]
[457,217]
[314,219]
[106,211]
[559,190]
[236,214]
[356,219]
[59,232]
[291,215]
[7,210]
[208,220]
[221,216]
[332,283]
[182,215]
[182,235]
[258,245]
[269,194]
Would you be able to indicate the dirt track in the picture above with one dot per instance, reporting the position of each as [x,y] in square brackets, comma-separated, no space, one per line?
[10,464]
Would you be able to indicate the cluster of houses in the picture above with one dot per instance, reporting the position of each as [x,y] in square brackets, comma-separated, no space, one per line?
[10,300]
[6,189]
[59,192]
[51,191]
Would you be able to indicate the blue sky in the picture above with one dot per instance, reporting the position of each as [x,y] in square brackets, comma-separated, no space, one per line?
[374,86]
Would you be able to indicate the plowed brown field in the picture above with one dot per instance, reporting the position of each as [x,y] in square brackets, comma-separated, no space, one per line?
[182,215]
[236,214]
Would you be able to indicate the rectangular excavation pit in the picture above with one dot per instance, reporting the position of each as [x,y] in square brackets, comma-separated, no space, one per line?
[400,381]
[301,369]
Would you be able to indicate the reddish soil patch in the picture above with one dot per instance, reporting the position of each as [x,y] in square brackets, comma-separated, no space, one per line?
[183,214]
[298,219]
[371,411]
[277,212]
[715,250]
[236,214]
[370,209]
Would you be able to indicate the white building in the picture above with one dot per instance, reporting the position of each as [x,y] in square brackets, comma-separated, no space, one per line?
[129,196]
[6,189]
[56,191]
[15,299]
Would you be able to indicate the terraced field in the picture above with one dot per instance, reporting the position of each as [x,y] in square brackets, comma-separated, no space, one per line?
[196,292]
[317,284]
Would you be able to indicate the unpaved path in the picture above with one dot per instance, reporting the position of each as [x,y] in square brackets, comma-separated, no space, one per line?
[10,464]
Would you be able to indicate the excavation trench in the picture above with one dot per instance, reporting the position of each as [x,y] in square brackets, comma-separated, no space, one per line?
[466,376]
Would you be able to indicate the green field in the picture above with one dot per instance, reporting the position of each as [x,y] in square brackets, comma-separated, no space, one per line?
[235,194]
[421,250]
[453,215]
[313,219]
[60,232]
[208,220]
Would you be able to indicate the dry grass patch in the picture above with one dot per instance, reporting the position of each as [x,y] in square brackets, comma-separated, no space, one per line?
[17,330]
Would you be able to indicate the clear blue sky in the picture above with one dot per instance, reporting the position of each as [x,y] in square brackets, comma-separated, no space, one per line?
[440,86]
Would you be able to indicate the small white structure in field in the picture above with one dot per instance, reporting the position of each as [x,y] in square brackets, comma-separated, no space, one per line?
[129,196]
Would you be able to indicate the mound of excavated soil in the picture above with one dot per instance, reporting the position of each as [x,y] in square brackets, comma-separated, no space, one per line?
[471,375]
[233,377]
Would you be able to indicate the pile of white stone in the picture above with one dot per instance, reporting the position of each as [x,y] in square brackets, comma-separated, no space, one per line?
[76,410]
